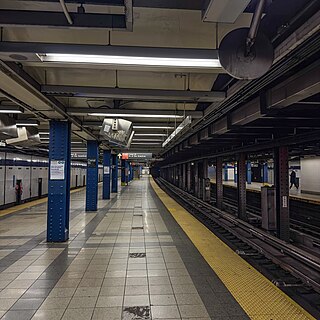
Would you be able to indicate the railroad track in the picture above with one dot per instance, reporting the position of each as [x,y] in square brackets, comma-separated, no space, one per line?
[310,226]
[292,269]
[255,213]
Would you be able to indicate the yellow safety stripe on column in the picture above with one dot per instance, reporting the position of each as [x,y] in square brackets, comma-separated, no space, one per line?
[258,296]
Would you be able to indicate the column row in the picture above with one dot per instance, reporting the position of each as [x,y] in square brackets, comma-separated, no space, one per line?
[59,179]
[193,178]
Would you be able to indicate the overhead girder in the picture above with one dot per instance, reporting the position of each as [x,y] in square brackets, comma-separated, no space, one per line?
[23,18]
[157,126]
[112,50]
[164,4]
[194,155]
[133,93]
[285,123]
[134,112]
[290,54]
[302,85]
[257,109]
[19,75]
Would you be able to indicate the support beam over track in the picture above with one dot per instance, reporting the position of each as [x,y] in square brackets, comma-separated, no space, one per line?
[22,18]
[133,94]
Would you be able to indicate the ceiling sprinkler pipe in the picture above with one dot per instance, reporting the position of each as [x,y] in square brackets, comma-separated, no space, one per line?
[255,22]
[65,11]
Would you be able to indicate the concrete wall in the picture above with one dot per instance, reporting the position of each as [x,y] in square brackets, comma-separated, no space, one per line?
[310,175]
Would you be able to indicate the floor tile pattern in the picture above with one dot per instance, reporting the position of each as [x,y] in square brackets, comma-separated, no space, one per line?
[129,260]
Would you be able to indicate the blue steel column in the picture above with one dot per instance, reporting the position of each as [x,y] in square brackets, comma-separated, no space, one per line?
[249,172]
[265,172]
[123,172]
[281,155]
[226,172]
[129,172]
[126,171]
[219,185]
[59,187]
[114,182]
[92,176]
[106,174]
[241,187]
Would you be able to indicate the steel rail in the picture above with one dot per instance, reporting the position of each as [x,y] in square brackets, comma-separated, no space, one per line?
[229,222]
[254,211]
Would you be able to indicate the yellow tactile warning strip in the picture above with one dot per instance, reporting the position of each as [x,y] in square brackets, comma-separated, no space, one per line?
[258,297]
[27,205]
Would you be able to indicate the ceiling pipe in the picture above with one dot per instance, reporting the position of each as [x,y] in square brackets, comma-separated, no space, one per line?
[255,23]
[66,12]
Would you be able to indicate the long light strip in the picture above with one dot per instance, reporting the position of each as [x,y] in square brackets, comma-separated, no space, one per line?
[151,135]
[146,143]
[10,110]
[148,140]
[130,60]
[182,126]
[152,127]
[129,115]
[27,124]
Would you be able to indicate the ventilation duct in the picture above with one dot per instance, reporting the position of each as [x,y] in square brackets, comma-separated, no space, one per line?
[8,128]
[27,136]
[117,131]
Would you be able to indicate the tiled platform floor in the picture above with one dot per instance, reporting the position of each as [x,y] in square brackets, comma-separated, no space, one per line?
[129,260]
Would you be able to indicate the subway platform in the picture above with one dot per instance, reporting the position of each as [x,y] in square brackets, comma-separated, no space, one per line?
[140,256]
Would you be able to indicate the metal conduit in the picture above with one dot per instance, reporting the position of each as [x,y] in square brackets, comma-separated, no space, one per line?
[66,12]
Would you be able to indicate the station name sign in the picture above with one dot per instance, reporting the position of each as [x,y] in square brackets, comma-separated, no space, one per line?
[137,156]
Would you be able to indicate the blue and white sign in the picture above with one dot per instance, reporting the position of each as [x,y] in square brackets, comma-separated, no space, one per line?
[57,169]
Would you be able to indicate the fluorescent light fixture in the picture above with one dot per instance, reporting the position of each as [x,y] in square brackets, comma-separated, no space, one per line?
[27,123]
[152,127]
[11,109]
[145,143]
[44,133]
[182,126]
[130,139]
[147,140]
[130,60]
[132,115]
[150,135]
[76,142]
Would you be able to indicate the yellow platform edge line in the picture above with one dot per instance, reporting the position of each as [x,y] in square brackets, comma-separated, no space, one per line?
[29,204]
[257,295]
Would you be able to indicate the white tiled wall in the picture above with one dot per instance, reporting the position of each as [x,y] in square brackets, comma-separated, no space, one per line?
[310,175]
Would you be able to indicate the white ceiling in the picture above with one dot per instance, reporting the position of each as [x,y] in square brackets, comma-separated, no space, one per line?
[151,27]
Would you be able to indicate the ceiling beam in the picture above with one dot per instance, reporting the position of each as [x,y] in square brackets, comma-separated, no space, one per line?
[165,4]
[286,123]
[153,112]
[22,18]
[133,94]
[95,49]
[300,86]
[19,75]
[142,124]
